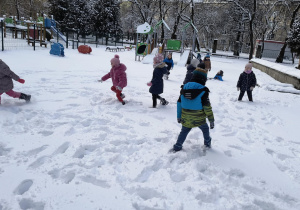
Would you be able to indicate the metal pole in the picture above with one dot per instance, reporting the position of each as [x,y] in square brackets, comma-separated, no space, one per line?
[67,39]
[34,37]
[2,40]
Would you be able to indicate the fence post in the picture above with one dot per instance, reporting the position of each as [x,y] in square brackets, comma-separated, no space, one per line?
[2,38]
[34,37]
[67,38]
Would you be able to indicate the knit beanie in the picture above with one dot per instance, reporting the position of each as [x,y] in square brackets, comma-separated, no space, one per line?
[158,59]
[207,55]
[115,61]
[195,62]
[199,76]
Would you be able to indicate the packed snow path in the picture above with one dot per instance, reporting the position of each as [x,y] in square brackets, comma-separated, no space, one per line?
[74,146]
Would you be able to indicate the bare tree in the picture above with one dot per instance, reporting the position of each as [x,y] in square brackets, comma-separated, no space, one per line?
[280,57]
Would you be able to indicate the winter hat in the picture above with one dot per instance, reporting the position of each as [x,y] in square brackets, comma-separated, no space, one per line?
[115,61]
[248,68]
[200,71]
[195,62]
[158,59]
[207,55]
[199,76]
[201,65]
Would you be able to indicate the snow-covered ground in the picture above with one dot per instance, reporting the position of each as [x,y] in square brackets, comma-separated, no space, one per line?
[75,147]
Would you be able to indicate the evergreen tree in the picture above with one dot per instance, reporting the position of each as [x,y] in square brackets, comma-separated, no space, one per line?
[79,17]
[106,17]
[58,8]
[293,40]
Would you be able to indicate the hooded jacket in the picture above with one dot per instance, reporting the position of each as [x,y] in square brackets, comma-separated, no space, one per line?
[193,105]
[6,76]
[117,75]
[157,79]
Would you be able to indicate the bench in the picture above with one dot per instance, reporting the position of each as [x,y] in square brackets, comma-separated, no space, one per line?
[112,49]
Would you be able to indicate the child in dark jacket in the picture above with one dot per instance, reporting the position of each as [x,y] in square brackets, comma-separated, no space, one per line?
[207,62]
[190,68]
[157,83]
[219,75]
[170,64]
[246,82]
[118,75]
[193,107]
[7,85]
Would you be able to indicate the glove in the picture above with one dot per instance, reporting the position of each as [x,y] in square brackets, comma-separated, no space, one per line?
[100,80]
[238,89]
[119,88]
[251,88]
[212,125]
[179,120]
[21,81]
[149,83]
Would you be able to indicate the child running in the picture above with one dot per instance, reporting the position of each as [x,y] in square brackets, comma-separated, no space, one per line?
[118,75]
[7,85]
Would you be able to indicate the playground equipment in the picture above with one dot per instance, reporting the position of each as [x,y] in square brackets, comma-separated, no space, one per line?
[15,26]
[142,47]
[183,38]
[57,49]
[36,33]
[50,25]
[84,49]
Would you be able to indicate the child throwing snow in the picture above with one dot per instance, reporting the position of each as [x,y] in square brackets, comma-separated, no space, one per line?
[7,85]
[219,75]
[193,107]
[118,76]
[169,61]
[246,82]
[157,82]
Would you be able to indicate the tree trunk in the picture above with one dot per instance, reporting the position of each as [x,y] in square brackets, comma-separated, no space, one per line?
[251,30]
[279,58]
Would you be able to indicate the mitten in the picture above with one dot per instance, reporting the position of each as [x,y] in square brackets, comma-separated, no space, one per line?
[212,125]
[238,89]
[179,120]
[119,88]
[251,88]
[149,83]
[21,81]
[100,80]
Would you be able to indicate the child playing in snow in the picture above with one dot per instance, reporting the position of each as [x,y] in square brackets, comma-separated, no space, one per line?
[193,107]
[7,85]
[157,83]
[207,62]
[219,75]
[190,68]
[118,76]
[246,82]
[169,61]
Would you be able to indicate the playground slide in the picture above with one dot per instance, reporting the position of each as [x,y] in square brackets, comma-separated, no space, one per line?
[63,37]
[149,58]
[184,58]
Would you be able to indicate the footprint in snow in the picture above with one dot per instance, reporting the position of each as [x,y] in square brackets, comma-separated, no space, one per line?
[23,187]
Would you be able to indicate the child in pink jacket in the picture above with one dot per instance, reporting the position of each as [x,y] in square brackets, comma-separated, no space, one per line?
[6,83]
[118,77]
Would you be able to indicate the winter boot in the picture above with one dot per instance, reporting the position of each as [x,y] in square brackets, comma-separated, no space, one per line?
[164,102]
[25,97]
[122,95]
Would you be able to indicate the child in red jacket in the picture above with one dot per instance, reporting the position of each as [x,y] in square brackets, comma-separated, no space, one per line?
[118,75]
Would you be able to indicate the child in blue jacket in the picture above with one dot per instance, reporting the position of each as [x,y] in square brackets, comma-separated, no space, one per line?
[169,61]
